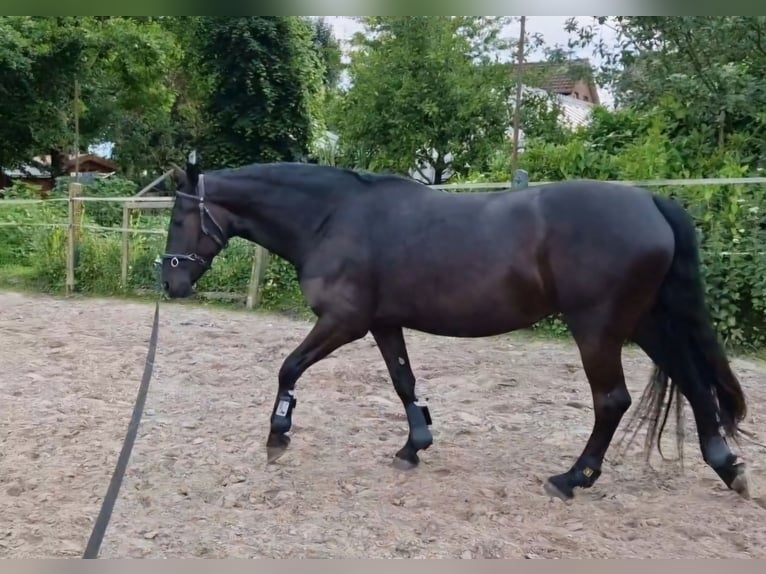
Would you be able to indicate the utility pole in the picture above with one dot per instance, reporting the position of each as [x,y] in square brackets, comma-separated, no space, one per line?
[519,63]
[77,129]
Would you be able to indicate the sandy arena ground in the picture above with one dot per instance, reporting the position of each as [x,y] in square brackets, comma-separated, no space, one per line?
[198,486]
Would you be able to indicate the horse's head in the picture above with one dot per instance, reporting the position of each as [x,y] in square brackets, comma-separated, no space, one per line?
[197,233]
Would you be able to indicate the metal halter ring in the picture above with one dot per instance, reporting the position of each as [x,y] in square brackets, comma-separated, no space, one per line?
[174,262]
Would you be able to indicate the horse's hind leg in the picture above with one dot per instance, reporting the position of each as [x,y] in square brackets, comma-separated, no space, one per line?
[390,341]
[600,351]
[327,335]
[653,341]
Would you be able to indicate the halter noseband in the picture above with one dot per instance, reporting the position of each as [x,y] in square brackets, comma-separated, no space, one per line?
[219,237]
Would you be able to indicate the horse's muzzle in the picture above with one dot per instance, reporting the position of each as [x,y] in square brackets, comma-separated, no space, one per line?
[178,290]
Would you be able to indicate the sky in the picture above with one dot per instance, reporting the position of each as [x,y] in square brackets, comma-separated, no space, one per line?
[551,28]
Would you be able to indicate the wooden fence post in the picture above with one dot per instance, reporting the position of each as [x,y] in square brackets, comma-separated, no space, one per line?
[260,260]
[75,220]
[520,179]
[125,245]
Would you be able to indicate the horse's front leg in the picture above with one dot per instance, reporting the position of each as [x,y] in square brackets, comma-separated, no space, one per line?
[390,341]
[327,335]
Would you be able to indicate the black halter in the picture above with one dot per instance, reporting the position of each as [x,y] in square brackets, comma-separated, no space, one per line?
[219,237]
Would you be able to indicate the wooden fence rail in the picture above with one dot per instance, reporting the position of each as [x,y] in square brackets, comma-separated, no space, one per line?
[77,203]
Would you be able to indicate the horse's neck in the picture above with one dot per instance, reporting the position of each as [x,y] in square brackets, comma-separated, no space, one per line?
[276,217]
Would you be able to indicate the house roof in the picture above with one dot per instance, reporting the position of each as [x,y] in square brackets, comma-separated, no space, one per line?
[27,171]
[39,167]
[574,113]
[102,161]
[560,77]
[577,113]
[69,163]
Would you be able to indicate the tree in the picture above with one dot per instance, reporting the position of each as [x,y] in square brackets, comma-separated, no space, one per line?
[422,94]
[704,73]
[121,64]
[38,61]
[151,141]
[263,88]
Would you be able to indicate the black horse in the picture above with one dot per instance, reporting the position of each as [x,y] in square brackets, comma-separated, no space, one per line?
[380,253]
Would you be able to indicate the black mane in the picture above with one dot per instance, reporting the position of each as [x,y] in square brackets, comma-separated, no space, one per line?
[322,176]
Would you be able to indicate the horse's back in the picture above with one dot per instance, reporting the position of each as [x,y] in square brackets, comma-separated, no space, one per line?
[621,216]
[602,238]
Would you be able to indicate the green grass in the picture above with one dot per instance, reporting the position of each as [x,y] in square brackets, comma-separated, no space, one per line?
[23,279]
[18,277]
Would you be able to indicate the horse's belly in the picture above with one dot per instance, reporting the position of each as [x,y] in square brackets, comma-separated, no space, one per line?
[465,308]
[479,325]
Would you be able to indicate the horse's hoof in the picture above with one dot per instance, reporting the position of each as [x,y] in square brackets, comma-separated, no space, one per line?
[276,446]
[555,492]
[274,453]
[403,464]
[740,483]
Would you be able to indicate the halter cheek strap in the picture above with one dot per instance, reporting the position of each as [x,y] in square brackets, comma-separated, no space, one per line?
[219,236]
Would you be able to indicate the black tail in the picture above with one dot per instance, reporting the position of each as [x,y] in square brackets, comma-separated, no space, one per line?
[693,360]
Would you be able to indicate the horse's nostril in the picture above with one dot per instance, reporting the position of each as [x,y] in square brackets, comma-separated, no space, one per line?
[166,286]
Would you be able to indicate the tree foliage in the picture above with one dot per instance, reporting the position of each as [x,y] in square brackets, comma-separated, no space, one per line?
[704,72]
[420,93]
[264,86]
[243,89]
[121,65]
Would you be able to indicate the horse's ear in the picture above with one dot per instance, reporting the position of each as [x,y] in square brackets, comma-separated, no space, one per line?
[192,174]
[192,169]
